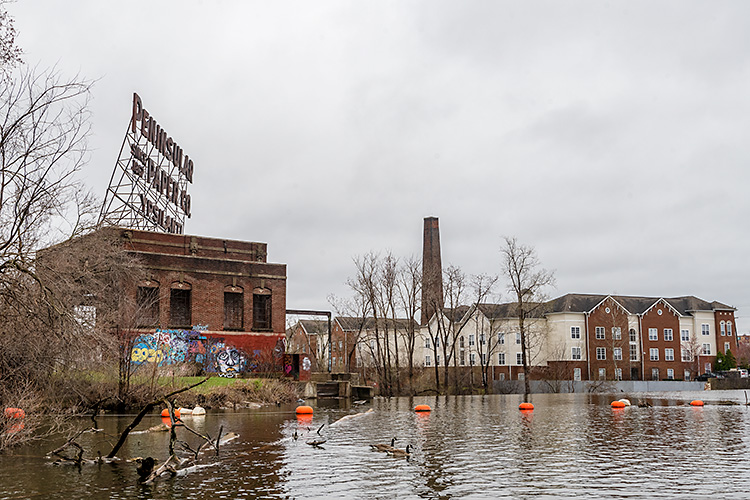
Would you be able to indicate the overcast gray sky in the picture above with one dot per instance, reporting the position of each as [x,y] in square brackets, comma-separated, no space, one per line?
[611,136]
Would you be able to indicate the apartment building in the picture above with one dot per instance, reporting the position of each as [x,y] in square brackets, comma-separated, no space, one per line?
[595,337]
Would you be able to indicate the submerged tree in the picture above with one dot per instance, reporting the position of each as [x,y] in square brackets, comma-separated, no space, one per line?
[527,284]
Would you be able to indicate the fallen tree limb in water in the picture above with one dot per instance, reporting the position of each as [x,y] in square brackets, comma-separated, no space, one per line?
[349,417]
[143,413]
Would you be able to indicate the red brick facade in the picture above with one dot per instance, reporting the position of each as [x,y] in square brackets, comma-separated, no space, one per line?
[609,338]
[223,289]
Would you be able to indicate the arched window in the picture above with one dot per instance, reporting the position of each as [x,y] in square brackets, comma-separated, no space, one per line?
[723,328]
[147,303]
[180,305]
[234,308]
[262,309]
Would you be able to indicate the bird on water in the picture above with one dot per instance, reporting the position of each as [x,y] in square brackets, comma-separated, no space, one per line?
[397,452]
[384,447]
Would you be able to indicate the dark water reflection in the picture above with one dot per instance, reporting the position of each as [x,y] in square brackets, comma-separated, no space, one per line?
[571,445]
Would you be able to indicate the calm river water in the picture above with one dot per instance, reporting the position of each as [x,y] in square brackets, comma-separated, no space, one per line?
[570,446]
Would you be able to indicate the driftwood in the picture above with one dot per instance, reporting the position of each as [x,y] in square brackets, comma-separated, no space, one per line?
[143,413]
[349,417]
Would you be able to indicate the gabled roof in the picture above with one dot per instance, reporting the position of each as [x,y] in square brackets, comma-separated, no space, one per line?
[510,310]
[314,326]
[455,314]
[352,324]
[585,303]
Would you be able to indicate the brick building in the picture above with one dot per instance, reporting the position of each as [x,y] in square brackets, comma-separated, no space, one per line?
[600,337]
[210,301]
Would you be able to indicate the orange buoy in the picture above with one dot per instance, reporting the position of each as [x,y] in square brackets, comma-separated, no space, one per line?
[618,404]
[526,406]
[14,413]
[422,408]
[696,402]
[165,413]
[304,410]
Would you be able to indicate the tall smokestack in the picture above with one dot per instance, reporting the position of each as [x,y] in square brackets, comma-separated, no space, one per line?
[432,270]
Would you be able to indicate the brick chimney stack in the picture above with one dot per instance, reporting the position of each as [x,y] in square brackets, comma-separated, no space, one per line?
[432,270]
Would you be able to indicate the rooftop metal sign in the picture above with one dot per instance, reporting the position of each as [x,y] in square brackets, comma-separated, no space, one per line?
[148,187]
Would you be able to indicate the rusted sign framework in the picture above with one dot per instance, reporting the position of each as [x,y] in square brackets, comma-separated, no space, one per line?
[148,187]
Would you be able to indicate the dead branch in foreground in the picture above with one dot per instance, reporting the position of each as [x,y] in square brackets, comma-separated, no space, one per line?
[143,413]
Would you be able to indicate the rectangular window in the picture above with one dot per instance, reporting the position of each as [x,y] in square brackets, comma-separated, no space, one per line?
[653,334]
[601,353]
[654,374]
[437,342]
[633,352]
[705,329]
[148,306]
[427,360]
[179,308]
[471,340]
[502,376]
[602,374]
[670,373]
[729,328]
[472,359]
[481,339]
[668,336]
[726,347]
[668,354]
[261,312]
[501,358]
[685,335]
[686,356]
[575,353]
[519,358]
[633,335]
[707,367]
[437,360]
[618,373]
[600,332]
[501,338]
[686,375]
[484,358]
[427,343]
[462,357]
[706,349]
[616,333]
[617,354]
[575,332]
[653,354]
[518,338]
[233,311]
[521,376]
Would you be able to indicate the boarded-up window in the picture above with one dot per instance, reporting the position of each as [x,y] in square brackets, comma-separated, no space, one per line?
[261,309]
[233,310]
[148,305]
[179,308]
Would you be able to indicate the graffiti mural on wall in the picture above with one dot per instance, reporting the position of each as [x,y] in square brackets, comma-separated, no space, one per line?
[214,354]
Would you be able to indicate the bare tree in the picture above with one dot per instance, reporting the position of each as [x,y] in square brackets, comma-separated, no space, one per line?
[445,328]
[10,53]
[527,282]
[409,291]
[482,286]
